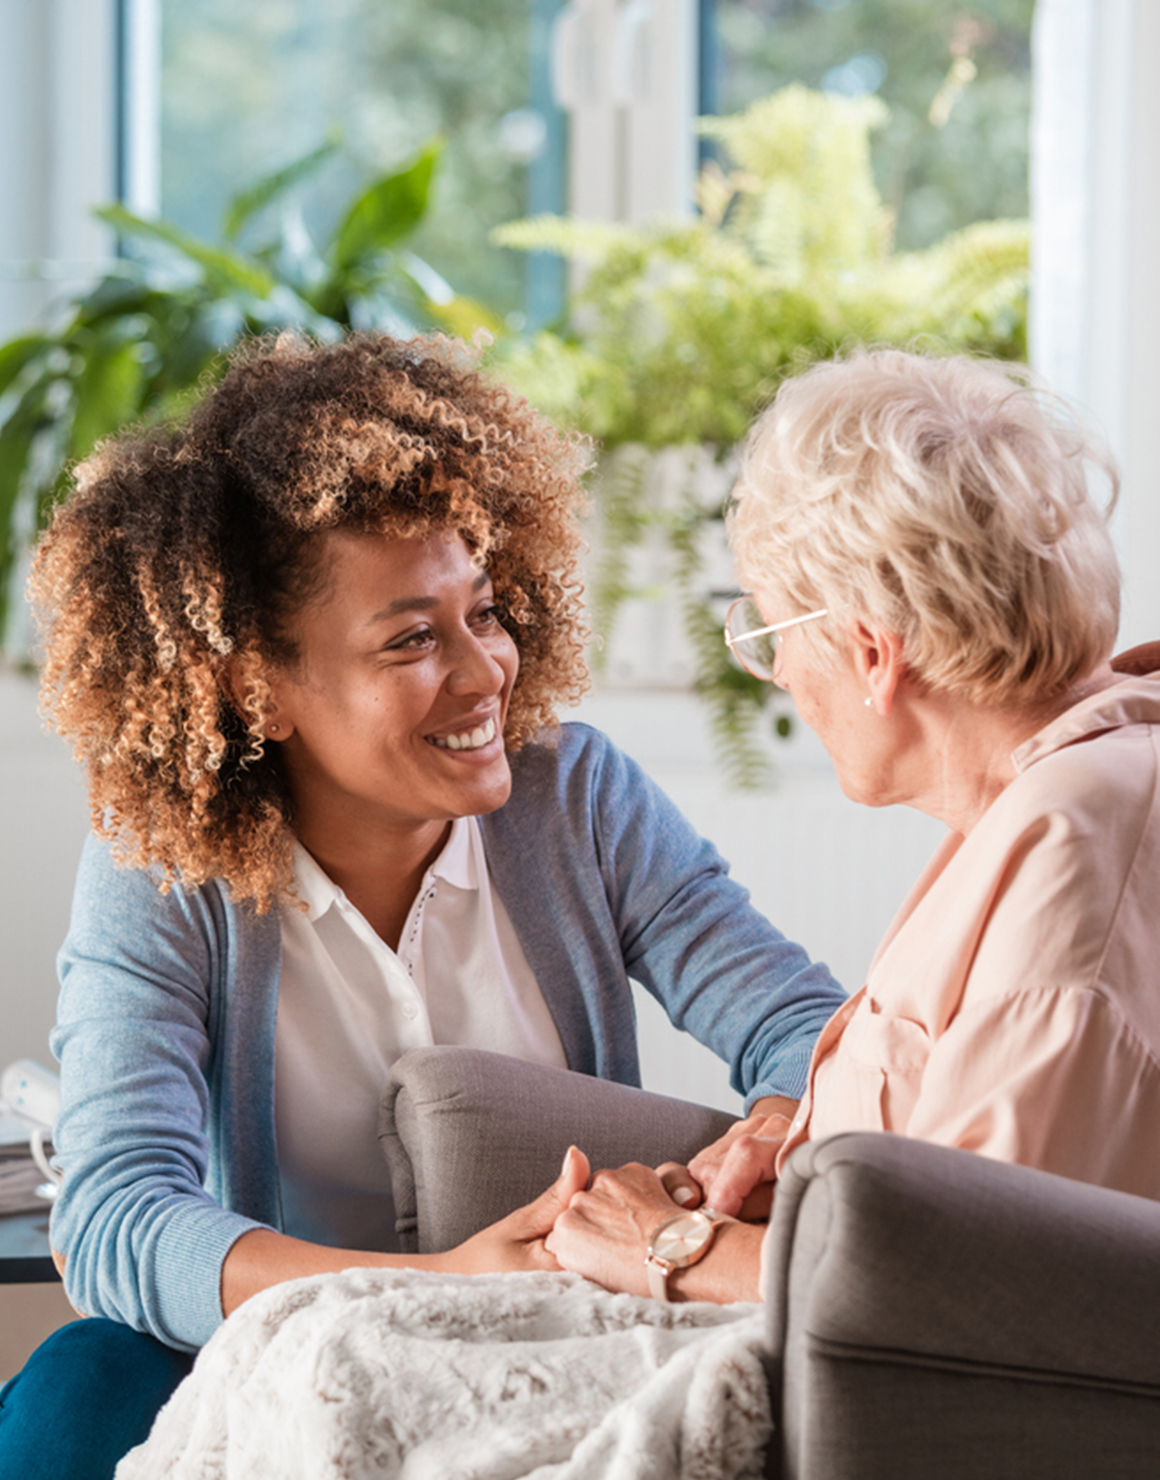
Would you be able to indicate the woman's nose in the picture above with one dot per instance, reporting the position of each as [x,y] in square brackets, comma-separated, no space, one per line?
[474,668]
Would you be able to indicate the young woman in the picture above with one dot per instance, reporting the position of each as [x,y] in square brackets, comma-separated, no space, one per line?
[309,644]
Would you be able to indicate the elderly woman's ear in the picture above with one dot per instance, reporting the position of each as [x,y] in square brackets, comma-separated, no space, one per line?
[879,661]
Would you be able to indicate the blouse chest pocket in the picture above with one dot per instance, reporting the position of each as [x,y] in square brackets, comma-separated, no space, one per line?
[886,1057]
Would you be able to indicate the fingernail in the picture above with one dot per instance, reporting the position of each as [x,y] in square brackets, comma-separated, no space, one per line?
[684,1196]
[567,1159]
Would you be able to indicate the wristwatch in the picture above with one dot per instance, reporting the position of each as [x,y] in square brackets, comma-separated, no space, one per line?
[678,1242]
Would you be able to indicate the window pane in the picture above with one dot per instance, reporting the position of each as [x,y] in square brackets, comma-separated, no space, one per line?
[246,89]
[956,78]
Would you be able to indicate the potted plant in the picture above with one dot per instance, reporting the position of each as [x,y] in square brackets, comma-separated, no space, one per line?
[680,331]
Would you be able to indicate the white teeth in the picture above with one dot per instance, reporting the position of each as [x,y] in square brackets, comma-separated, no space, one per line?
[471,740]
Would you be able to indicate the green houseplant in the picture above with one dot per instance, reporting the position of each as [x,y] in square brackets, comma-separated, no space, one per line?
[680,331]
[149,332]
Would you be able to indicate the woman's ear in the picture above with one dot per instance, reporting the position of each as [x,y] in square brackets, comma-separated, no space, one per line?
[879,661]
[242,673]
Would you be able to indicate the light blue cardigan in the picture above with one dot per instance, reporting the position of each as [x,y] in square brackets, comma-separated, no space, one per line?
[168,1006]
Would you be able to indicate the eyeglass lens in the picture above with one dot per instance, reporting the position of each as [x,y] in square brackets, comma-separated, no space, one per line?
[758,654]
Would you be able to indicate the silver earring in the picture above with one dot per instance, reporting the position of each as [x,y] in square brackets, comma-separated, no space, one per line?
[275,728]
[868,701]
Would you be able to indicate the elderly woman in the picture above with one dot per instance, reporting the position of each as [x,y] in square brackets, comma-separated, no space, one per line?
[309,644]
[934,584]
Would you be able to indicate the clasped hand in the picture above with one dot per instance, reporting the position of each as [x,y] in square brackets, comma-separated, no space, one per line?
[600,1226]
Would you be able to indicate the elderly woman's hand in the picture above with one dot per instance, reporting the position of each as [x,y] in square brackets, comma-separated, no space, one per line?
[604,1232]
[735,1174]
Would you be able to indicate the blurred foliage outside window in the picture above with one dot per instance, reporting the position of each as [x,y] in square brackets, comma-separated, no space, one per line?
[245,88]
[955,76]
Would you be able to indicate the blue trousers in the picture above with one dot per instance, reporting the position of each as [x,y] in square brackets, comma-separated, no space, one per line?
[86,1397]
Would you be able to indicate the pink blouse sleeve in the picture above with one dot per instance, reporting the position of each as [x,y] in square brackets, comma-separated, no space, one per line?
[1052,1078]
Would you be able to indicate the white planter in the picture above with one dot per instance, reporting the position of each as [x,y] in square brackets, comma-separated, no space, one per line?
[647,646]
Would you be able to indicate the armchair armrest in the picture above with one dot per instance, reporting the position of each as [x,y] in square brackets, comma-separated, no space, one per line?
[936,1312]
[469,1136]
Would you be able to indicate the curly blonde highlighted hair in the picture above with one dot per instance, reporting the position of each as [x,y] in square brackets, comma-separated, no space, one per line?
[944,500]
[187,550]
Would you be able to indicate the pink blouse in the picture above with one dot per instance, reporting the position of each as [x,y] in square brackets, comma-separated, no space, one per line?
[1013,1007]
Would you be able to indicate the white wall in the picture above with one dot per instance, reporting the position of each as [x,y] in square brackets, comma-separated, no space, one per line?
[43,821]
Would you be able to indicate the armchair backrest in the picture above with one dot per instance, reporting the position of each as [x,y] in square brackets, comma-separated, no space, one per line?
[469,1136]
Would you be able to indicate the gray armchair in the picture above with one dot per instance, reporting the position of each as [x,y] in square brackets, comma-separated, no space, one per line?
[932,1315]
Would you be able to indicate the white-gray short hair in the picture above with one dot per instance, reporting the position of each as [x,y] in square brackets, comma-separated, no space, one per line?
[944,500]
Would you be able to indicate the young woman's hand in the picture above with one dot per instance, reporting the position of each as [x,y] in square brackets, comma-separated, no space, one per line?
[262,1257]
[518,1241]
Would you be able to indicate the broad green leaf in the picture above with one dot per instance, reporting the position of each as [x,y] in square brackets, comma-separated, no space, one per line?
[248,203]
[115,295]
[451,310]
[228,269]
[185,344]
[108,394]
[17,436]
[16,354]
[464,316]
[390,209]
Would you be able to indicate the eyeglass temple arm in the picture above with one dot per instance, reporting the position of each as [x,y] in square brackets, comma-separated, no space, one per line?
[775,627]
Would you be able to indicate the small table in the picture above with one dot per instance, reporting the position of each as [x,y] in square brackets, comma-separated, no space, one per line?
[25,1256]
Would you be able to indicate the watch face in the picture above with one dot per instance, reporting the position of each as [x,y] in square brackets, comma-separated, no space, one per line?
[681,1240]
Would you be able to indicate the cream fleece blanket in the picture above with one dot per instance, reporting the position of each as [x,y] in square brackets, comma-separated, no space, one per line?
[382,1373]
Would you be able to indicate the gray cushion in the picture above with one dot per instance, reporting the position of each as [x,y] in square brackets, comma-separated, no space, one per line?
[470,1135]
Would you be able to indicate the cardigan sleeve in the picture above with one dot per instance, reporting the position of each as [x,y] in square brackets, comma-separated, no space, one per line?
[143,1239]
[606,880]
[692,938]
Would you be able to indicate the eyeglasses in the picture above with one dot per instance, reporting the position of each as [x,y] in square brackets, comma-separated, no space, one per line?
[754,645]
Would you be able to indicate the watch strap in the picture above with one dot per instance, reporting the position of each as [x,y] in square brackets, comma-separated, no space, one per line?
[658,1271]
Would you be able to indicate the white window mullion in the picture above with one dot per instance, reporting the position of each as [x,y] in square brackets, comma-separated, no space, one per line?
[655,76]
[625,71]
[140,106]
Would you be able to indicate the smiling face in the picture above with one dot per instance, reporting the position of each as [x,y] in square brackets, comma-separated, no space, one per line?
[391,722]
